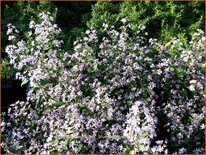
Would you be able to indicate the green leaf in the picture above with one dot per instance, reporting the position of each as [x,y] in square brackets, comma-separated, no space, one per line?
[38,102]
[172,69]
[68,140]
[31,147]
[128,149]
[89,58]
[24,82]
[57,103]
[132,152]
[19,147]
[95,66]
[55,152]
[70,128]
[55,142]
[89,70]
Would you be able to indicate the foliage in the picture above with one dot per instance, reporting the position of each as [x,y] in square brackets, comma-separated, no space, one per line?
[109,95]
[6,70]
[20,13]
[163,20]
[72,18]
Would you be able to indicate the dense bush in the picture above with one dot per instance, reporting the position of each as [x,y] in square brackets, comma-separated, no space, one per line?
[117,92]
[20,13]
[163,20]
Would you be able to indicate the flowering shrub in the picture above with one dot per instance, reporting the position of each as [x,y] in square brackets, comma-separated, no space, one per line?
[120,93]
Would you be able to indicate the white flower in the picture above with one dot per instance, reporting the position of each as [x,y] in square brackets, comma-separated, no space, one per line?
[29,33]
[185,59]
[193,81]
[179,135]
[31,24]
[105,25]
[202,126]
[159,72]
[163,48]
[88,31]
[11,37]
[123,20]
[192,87]
[159,142]
[9,31]
[128,132]
[143,27]
[182,150]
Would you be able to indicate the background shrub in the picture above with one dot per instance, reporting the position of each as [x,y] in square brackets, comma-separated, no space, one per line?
[163,20]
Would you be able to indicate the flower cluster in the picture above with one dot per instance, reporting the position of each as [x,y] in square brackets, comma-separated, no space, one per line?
[119,93]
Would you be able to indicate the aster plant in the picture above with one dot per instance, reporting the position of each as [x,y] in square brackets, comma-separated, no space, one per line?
[120,93]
